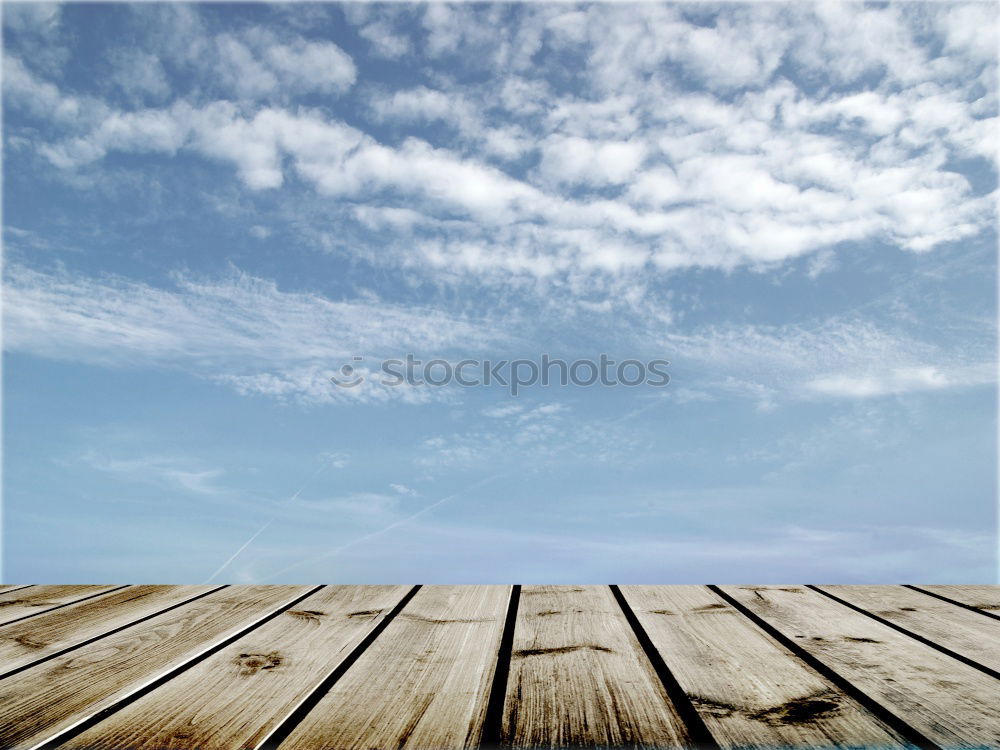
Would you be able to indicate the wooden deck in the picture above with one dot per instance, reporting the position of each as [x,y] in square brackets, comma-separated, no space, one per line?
[438,667]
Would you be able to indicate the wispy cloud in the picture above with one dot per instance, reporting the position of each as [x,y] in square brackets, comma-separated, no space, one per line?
[902,380]
[177,473]
[248,334]
[839,356]
[239,330]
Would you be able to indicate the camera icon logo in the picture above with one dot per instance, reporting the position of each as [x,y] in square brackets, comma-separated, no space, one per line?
[348,377]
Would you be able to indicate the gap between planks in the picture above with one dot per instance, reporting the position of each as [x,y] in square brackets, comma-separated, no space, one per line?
[46,598]
[492,732]
[943,700]
[965,596]
[74,698]
[965,639]
[52,634]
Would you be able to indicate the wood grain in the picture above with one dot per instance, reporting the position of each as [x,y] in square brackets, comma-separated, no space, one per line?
[15,605]
[966,633]
[983,597]
[234,698]
[28,641]
[341,669]
[950,703]
[578,676]
[749,690]
[423,683]
[14,587]
[42,701]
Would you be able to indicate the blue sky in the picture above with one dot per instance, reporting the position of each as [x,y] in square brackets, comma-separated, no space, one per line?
[208,209]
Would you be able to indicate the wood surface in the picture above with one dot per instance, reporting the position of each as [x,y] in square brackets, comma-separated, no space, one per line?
[36,638]
[748,689]
[18,604]
[423,683]
[13,586]
[42,701]
[966,633]
[441,667]
[982,597]
[948,702]
[235,698]
[578,676]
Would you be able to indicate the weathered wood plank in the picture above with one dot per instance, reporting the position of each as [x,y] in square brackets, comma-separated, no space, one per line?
[578,676]
[14,587]
[235,698]
[966,633]
[950,703]
[29,640]
[749,690]
[45,700]
[423,683]
[17,604]
[983,597]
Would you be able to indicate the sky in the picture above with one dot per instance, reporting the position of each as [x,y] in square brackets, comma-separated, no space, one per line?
[209,210]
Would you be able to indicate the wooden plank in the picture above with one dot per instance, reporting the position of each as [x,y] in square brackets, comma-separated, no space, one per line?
[235,698]
[15,605]
[14,587]
[423,683]
[25,642]
[748,689]
[948,702]
[982,597]
[965,633]
[578,676]
[43,701]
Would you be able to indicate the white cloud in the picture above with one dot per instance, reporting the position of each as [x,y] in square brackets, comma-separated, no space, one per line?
[240,330]
[834,358]
[259,63]
[503,410]
[627,173]
[36,17]
[37,27]
[756,168]
[970,28]
[451,29]
[336,459]
[416,105]
[901,380]
[254,63]
[248,334]
[174,472]
[311,66]
[384,41]
[575,160]
[542,412]
[139,74]
[43,98]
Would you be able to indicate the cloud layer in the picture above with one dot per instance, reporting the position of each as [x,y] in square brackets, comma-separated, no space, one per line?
[577,162]
[656,154]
